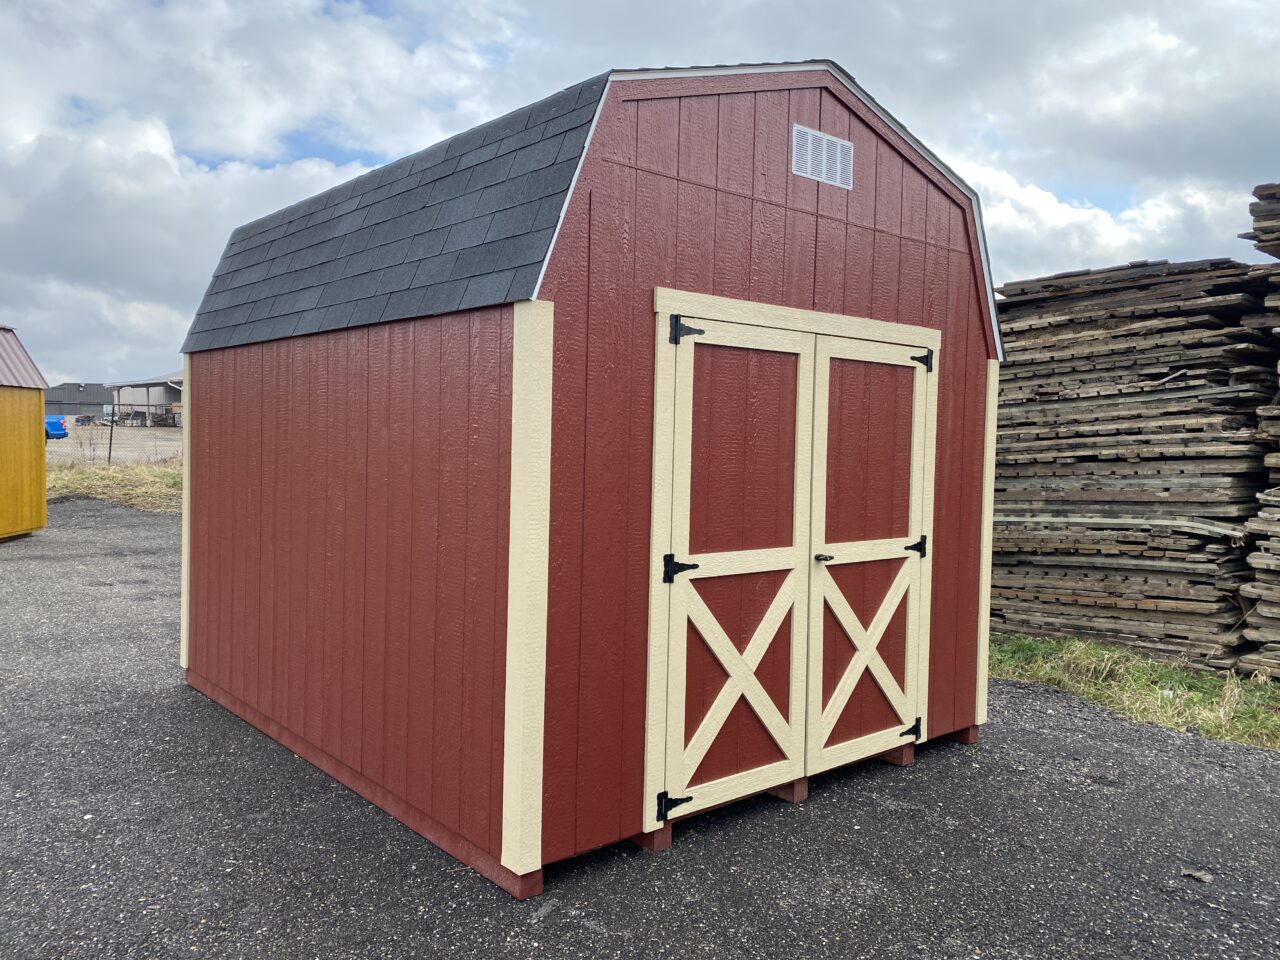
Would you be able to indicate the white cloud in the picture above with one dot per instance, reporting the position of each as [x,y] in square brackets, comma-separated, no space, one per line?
[1032,232]
[108,236]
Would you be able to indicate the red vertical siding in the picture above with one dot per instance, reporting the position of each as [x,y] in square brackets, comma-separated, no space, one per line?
[348,572]
[688,185]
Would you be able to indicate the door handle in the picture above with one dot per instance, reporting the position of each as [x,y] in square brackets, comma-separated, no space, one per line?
[823,557]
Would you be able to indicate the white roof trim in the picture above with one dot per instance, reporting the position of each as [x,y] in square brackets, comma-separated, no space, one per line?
[573,184]
[844,77]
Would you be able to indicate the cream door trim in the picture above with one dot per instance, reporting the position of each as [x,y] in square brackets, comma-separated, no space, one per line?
[910,700]
[669,762]
[666,434]
[667,301]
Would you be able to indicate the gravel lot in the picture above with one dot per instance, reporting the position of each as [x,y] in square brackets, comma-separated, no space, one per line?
[140,820]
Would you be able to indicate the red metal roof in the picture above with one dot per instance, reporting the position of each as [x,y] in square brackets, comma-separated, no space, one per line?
[16,366]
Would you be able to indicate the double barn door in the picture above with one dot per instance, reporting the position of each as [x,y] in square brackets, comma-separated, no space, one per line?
[789,586]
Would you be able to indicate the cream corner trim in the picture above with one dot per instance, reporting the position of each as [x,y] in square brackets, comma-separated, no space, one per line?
[667,301]
[988,515]
[530,531]
[184,614]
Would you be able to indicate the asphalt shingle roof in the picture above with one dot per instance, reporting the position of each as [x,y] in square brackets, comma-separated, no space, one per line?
[465,223]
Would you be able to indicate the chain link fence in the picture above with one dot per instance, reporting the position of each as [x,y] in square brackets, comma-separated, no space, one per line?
[103,434]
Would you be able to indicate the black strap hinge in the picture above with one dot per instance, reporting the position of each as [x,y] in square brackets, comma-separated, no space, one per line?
[681,329]
[921,547]
[670,567]
[913,731]
[668,803]
[925,360]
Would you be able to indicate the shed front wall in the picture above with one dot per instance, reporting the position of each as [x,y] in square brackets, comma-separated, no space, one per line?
[22,479]
[686,184]
[349,554]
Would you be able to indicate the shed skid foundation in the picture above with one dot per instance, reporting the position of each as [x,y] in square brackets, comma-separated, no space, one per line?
[520,886]
[968,736]
[797,791]
[903,756]
[655,842]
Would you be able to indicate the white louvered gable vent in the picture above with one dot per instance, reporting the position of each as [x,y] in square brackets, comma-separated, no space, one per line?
[821,157]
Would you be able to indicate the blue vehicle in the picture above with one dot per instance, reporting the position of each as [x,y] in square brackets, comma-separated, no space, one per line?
[55,427]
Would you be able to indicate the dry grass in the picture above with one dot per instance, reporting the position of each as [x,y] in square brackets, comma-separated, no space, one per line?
[150,486]
[1225,706]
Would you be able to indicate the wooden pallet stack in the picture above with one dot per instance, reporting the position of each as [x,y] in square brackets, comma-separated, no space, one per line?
[1265,211]
[1128,462]
[1264,591]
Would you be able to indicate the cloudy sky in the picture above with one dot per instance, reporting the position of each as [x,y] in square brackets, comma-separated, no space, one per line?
[134,135]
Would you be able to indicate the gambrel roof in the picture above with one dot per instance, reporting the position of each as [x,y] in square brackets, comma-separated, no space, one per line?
[465,223]
[469,222]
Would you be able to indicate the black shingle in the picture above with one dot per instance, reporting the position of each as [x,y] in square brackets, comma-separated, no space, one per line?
[427,244]
[404,303]
[468,233]
[513,220]
[429,157]
[396,278]
[589,91]
[525,282]
[549,180]
[442,298]
[438,170]
[549,210]
[454,185]
[334,317]
[478,155]
[368,311]
[524,248]
[458,209]
[509,193]
[535,157]
[555,105]
[573,142]
[487,290]
[490,172]
[467,221]
[467,140]
[503,127]
[521,139]
[406,225]
[579,117]
[474,261]
[355,242]
[435,269]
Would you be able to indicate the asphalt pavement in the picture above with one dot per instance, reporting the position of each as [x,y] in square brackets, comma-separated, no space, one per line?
[138,819]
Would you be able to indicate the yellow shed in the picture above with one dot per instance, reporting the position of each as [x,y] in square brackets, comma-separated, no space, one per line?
[22,482]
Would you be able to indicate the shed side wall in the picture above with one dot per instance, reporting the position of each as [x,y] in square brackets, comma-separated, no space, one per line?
[350,504]
[688,185]
[22,479]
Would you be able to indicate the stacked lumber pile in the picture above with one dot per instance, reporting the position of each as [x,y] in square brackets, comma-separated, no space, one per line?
[1266,219]
[1264,619]
[1127,459]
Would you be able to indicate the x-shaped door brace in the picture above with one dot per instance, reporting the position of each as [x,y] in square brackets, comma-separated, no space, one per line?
[740,667]
[866,656]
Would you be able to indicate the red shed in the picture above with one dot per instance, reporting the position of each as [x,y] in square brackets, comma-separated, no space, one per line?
[623,456]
